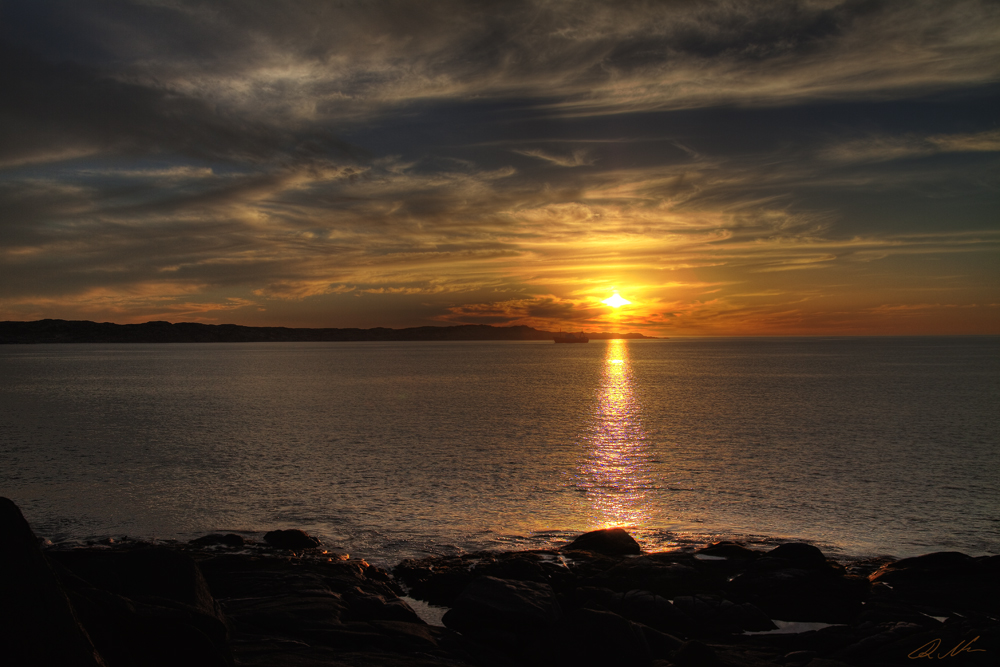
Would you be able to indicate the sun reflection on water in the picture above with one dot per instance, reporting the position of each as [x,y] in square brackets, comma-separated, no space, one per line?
[615,472]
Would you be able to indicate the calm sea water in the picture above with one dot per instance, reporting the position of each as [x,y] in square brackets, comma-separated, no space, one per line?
[389,450]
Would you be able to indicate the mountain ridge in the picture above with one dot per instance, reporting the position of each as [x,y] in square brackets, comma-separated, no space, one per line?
[49,331]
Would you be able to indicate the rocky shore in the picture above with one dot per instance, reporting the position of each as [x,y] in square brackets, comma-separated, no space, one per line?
[218,601]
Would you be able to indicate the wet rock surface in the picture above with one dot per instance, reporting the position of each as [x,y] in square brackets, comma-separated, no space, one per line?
[38,623]
[609,541]
[291,539]
[726,604]
[225,602]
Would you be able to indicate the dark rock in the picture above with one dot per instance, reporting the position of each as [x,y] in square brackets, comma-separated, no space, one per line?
[310,611]
[292,538]
[366,607]
[237,576]
[259,578]
[497,608]
[883,607]
[802,555]
[971,642]
[110,621]
[355,636]
[228,540]
[876,643]
[146,634]
[155,572]
[695,654]
[414,636]
[596,637]
[661,644]
[148,607]
[133,605]
[287,614]
[731,550]
[584,565]
[38,625]
[988,565]
[950,580]
[820,595]
[440,580]
[610,542]
[663,577]
[714,614]
[798,658]
[437,585]
[595,597]
[520,567]
[941,561]
[654,611]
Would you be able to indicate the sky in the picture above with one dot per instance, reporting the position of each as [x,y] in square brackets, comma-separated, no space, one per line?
[785,167]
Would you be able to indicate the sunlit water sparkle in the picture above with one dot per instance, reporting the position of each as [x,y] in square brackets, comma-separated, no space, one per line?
[388,450]
[615,472]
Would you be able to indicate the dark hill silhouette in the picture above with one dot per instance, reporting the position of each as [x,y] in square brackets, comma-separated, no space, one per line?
[83,331]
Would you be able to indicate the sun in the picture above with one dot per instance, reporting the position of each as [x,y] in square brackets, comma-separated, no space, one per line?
[616,300]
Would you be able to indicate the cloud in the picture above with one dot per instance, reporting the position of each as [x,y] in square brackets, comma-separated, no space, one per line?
[141,303]
[299,234]
[882,148]
[85,112]
[325,62]
[497,162]
[544,311]
[577,158]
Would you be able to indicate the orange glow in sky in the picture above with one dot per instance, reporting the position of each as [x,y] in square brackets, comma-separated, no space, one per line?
[267,172]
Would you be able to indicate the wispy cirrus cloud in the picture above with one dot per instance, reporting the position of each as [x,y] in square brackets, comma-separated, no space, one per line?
[254,80]
[577,158]
[882,148]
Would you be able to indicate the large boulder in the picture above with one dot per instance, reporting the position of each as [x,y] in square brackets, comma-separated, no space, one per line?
[609,541]
[960,641]
[798,554]
[651,609]
[147,607]
[152,632]
[712,614]
[728,551]
[597,637]
[945,579]
[662,576]
[438,581]
[314,611]
[292,538]
[154,572]
[38,625]
[287,614]
[502,611]
[369,607]
[816,594]
[695,654]
[218,539]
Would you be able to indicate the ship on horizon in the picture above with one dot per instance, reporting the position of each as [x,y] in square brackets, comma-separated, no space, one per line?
[571,338]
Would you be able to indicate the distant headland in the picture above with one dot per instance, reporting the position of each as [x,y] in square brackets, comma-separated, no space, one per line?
[83,331]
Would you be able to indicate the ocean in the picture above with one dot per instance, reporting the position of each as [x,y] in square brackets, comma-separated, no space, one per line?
[861,446]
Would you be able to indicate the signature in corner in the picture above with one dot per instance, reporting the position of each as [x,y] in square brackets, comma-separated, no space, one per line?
[930,650]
